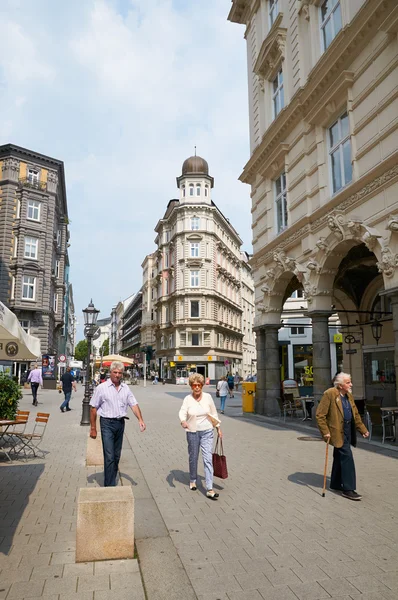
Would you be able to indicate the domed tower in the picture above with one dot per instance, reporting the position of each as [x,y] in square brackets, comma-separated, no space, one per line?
[195,182]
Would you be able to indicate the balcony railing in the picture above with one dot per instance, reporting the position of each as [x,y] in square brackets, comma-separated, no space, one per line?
[35,185]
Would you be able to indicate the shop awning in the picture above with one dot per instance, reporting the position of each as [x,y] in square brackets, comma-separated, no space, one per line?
[15,344]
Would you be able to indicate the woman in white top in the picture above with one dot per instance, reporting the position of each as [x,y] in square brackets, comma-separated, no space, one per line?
[197,415]
[223,389]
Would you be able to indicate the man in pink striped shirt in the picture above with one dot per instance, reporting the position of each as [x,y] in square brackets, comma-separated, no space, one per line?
[110,401]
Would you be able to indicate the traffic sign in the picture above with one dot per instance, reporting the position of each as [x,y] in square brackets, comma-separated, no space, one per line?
[62,358]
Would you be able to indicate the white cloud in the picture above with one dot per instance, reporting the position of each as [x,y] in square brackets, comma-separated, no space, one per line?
[122,90]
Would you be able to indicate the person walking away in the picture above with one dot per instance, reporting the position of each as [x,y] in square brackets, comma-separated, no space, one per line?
[68,382]
[222,387]
[338,419]
[35,379]
[110,401]
[196,414]
[236,380]
[230,381]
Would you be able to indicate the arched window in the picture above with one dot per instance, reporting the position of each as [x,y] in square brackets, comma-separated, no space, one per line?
[191,190]
[183,191]
[198,189]
[206,190]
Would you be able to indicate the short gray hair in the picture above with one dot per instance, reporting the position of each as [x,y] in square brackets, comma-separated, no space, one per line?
[338,380]
[116,365]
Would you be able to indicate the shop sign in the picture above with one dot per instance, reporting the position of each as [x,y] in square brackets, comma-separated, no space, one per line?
[209,358]
[338,338]
[172,364]
[351,351]
[179,357]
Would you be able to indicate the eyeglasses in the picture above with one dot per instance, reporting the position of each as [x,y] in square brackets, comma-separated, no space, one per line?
[197,385]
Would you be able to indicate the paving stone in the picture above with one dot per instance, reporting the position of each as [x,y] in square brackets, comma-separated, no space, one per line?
[9,576]
[278,593]
[136,593]
[93,582]
[283,577]
[62,558]
[25,589]
[313,573]
[107,567]
[65,585]
[367,583]
[252,581]
[127,580]
[247,595]
[79,569]
[216,584]
[309,591]
[338,587]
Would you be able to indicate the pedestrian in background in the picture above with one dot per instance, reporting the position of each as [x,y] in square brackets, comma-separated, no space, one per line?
[222,387]
[68,382]
[196,415]
[230,381]
[338,419]
[35,379]
[111,400]
[236,380]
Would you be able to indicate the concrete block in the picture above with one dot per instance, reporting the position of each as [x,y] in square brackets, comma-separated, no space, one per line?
[105,524]
[95,455]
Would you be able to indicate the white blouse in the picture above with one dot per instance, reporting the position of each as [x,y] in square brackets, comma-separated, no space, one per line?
[194,412]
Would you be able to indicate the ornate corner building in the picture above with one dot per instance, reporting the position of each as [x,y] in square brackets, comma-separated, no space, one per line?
[194,284]
[34,240]
[323,170]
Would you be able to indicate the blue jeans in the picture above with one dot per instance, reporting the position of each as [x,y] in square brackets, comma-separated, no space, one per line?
[65,403]
[112,431]
[34,388]
[204,441]
[222,400]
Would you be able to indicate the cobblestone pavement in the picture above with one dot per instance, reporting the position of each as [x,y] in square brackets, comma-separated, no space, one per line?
[270,535]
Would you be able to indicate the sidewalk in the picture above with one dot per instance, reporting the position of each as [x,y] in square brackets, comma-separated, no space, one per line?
[270,535]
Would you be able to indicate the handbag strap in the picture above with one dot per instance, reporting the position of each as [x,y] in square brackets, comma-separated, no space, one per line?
[216,451]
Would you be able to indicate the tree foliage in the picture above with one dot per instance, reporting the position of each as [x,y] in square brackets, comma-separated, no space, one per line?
[10,395]
[81,350]
[105,348]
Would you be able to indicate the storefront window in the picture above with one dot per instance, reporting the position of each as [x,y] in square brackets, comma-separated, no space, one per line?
[302,360]
[379,367]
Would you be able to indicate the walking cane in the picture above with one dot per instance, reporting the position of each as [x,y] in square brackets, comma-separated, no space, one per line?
[326,468]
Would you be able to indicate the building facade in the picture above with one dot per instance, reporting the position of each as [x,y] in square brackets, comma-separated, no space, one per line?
[105,334]
[249,365]
[117,314]
[34,237]
[131,327]
[198,270]
[149,318]
[323,172]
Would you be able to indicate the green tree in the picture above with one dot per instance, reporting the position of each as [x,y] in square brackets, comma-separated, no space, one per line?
[105,348]
[81,350]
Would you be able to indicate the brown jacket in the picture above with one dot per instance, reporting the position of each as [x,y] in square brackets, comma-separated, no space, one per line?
[330,418]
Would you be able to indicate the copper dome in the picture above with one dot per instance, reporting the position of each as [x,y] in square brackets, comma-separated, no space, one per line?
[195,164]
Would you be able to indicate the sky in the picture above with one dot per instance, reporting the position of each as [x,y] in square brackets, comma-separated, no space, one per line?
[122,91]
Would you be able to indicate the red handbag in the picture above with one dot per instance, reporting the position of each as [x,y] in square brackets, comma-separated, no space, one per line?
[220,461]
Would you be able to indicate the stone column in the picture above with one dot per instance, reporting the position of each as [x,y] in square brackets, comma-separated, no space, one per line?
[260,388]
[320,353]
[272,371]
[393,296]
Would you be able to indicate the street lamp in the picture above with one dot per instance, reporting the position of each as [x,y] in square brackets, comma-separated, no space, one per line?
[90,319]
[376,330]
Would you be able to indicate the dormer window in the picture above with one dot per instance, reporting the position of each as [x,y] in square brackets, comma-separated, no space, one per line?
[191,189]
[198,189]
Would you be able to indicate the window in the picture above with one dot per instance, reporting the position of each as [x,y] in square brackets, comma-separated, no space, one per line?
[198,189]
[12,287]
[171,342]
[167,236]
[166,259]
[191,189]
[195,339]
[194,309]
[183,191]
[166,286]
[281,203]
[297,294]
[28,287]
[273,11]
[340,153]
[15,251]
[25,325]
[33,176]
[31,245]
[58,237]
[194,278]
[297,331]
[195,222]
[194,250]
[18,209]
[34,210]
[278,99]
[330,21]
[57,269]
[206,190]
[55,303]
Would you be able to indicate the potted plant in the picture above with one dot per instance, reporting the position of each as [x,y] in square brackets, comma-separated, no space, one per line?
[10,395]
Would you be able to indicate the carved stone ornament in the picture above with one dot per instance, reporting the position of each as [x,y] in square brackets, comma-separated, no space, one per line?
[10,164]
[314,266]
[335,224]
[52,177]
[321,244]
[355,228]
[392,224]
[369,240]
[304,9]
[283,261]
[389,262]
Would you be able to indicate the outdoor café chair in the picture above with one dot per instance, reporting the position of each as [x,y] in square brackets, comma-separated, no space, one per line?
[375,418]
[29,442]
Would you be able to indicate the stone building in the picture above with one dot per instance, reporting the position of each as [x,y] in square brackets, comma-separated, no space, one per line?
[198,270]
[116,329]
[323,172]
[249,337]
[131,327]
[34,238]
[148,323]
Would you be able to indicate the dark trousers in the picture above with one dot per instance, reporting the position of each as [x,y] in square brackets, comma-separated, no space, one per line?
[343,471]
[112,439]
[35,387]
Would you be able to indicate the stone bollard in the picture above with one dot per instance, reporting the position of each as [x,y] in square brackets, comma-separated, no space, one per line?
[105,524]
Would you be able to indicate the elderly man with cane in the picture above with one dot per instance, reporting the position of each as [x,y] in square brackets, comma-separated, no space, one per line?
[338,419]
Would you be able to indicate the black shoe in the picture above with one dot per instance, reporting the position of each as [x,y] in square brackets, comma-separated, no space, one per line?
[68,409]
[351,495]
[62,409]
[212,495]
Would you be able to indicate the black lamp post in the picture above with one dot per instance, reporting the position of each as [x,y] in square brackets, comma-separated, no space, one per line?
[376,330]
[90,320]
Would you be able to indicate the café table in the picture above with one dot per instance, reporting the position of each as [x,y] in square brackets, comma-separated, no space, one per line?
[393,410]
[5,424]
